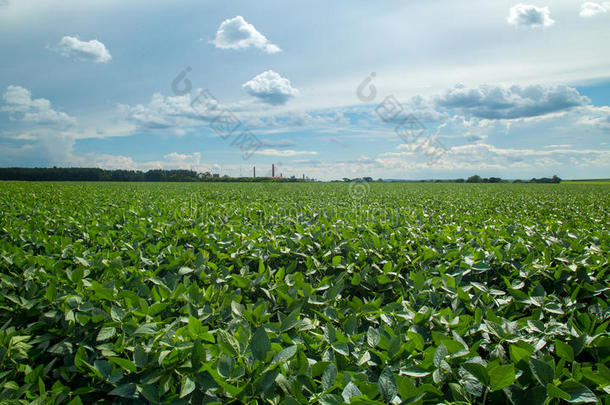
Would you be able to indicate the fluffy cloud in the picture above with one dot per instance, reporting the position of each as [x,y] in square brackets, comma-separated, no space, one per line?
[183,157]
[270,88]
[495,102]
[596,117]
[21,107]
[170,161]
[485,153]
[525,15]
[89,51]
[494,160]
[237,33]
[590,8]
[172,112]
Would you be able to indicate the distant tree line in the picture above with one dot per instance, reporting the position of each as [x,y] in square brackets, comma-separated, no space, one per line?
[96,174]
[472,179]
[478,179]
[554,180]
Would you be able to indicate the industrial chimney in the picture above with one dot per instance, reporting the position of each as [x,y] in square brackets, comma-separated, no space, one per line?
[272,169]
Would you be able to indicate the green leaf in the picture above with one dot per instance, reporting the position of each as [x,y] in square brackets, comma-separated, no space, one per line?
[416,372]
[260,344]
[387,385]
[318,368]
[146,329]
[150,392]
[77,275]
[478,371]
[226,364]
[140,357]
[156,308]
[125,391]
[328,377]
[187,387]
[221,381]
[80,357]
[439,355]
[520,351]
[237,308]
[330,399]
[542,371]
[125,364]
[103,367]
[372,337]
[555,392]
[349,391]
[228,342]
[501,377]
[41,387]
[117,314]
[11,385]
[105,333]
[76,401]
[100,292]
[564,350]
[51,292]
[341,348]
[285,354]
[290,321]
[578,393]
[336,260]
[61,348]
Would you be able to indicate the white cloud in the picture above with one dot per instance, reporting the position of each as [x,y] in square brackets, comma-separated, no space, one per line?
[590,8]
[237,33]
[170,161]
[270,88]
[475,155]
[183,157]
[525,15]
[19,103]
[494,102]
[285,152]
[280,143]
[89,51]
[176,112]
[485,157]
[558,146]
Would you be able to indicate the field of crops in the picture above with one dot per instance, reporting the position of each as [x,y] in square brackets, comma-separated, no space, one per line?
[300,293]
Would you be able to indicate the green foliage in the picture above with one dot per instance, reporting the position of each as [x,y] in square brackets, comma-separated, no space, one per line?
[197,293]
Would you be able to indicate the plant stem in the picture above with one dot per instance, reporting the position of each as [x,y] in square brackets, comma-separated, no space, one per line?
[485,396]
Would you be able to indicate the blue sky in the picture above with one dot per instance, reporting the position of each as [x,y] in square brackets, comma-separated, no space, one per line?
[393,89]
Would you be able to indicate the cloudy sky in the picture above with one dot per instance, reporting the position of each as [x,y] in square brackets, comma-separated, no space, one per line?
[395,89]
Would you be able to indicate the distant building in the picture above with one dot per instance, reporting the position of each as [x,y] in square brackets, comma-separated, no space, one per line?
[216,175]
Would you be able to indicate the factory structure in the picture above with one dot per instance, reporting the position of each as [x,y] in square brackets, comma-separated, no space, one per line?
[273,173]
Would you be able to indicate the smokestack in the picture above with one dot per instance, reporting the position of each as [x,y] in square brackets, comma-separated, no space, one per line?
[254,171]
[303,176]
[272,169]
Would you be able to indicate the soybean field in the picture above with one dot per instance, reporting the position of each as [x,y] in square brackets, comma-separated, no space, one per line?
[309,293]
